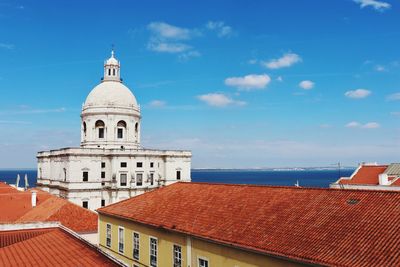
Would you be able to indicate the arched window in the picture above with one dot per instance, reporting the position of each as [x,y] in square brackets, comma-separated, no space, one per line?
[136,129]
[121,128]
[113,72]
[109,72]
[84,129]
[100,128]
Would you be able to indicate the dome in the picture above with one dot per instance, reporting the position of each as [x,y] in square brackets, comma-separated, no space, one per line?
[112,61]
[111,93]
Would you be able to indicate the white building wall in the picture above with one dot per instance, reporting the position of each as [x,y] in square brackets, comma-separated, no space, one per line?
[78,160]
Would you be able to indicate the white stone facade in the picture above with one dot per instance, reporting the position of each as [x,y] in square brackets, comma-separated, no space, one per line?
[110,165]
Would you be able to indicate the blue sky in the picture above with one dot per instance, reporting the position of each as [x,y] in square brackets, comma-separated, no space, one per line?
[240,83]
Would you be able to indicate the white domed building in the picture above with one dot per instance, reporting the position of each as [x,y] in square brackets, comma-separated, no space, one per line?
[110,165]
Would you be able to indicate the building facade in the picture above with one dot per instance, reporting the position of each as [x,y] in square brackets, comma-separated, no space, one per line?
[110,165]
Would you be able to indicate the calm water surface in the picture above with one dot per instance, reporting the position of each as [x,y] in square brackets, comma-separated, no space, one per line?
[312,178]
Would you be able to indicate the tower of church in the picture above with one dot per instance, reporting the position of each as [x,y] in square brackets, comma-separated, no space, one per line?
[109,165]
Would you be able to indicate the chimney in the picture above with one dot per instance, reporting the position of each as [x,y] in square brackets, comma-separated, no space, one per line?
[33,198]
[383,179]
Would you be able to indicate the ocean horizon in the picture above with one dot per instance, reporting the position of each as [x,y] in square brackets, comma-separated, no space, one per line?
[307,177]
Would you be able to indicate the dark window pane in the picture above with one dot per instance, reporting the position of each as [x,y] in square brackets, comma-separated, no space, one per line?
[85,176]
[101,132]
[120,133]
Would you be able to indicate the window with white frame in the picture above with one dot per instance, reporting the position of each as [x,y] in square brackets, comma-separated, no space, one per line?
[177,256]
[108,235]
[151,178]
[121,240]
[139,179]
[123,179]
[153,252]
[203,262]
[136,245]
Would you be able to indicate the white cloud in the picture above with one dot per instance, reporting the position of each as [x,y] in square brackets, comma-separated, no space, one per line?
[157,103]
[371,125]
[279,79]
[395,113]
[249,82]
[358,93]
[6,46]
[168,31]
[306,84]
[368,125]
[158,46]
[285,61]
[380,68]
[188,55]
[252,61]
[377,5]
[353,124]
[394,97]
[167,38]
[219,100]
[221,28]
[28,110]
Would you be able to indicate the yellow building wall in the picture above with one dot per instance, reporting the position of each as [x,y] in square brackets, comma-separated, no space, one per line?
[216,254]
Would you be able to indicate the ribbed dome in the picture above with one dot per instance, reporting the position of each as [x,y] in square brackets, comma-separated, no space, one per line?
[111,93]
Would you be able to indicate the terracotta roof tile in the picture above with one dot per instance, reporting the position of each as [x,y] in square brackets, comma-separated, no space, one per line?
[16,207]
[323,226]
[366,175]
[47,247]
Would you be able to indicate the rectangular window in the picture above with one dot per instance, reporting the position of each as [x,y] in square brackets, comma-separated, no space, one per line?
[123,164]
[85,176]
[121,240]
[139,179]
[151,178]
[122,178]
[203,262]
[136,246]
[177,256]
[103,202]
[178,175]
[103,174]
[85,204]
[120,133]
[153,252]
[139,164]
[103,164]
[108,235]
[101,132]
[151,164]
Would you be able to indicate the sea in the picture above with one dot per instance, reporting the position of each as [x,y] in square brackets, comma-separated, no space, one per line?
[307,177]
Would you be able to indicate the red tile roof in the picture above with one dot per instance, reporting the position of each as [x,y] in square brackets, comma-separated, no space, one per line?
[366,175]
[321,226]
[16,207]
[48,247]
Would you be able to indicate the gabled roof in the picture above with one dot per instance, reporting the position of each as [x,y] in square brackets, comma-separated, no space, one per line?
[16,207]
[48,247]
[365,175]
[319,226]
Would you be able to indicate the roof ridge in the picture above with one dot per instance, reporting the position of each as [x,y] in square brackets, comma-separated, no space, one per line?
[283,187]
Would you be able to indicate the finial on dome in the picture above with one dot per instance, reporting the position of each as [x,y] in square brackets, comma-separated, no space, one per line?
[112,50]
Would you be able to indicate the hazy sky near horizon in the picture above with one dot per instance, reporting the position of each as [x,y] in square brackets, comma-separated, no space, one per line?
[240,83]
